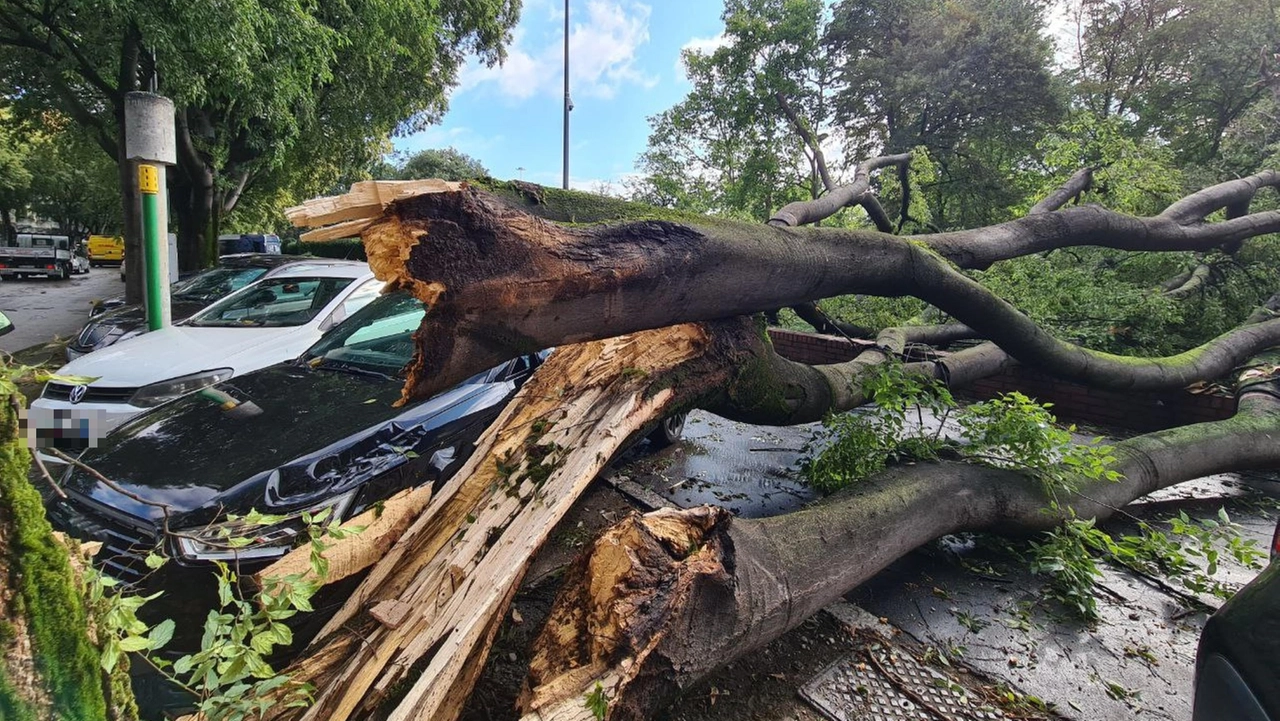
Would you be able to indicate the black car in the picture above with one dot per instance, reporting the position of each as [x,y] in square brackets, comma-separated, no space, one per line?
[112,321]
[318,432]
[1238,664]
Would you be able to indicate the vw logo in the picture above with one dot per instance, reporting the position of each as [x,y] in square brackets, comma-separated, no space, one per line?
[77,393]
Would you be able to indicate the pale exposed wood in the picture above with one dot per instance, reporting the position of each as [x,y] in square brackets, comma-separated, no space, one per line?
[457,567]
[390,613]
[338,231]
[356,552]
[344,216]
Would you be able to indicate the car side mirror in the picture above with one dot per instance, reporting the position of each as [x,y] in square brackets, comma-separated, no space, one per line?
[6,325]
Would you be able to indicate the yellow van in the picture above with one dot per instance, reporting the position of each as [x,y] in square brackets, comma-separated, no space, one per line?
[105,249]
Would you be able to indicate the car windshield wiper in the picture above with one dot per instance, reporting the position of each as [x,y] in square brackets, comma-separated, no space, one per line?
[324,364]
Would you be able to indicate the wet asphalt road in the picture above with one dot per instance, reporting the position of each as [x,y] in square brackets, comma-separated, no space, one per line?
[43,309]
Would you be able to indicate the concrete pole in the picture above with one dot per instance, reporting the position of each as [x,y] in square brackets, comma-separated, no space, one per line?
[150,139]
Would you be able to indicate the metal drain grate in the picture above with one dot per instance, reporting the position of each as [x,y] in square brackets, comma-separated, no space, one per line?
[851,689]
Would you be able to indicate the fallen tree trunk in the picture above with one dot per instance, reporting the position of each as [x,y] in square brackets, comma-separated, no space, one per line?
[661,601]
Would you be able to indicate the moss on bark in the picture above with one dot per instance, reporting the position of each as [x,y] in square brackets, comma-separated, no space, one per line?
[45,593]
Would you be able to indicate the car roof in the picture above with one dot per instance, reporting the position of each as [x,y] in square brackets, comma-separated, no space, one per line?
[336,270]
[273,260]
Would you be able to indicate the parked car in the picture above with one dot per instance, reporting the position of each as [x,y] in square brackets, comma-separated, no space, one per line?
[319,432]
[79,261]
[112,321]
[267,322]
[1237,669]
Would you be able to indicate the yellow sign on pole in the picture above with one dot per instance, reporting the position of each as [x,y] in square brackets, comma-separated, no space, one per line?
[148,179]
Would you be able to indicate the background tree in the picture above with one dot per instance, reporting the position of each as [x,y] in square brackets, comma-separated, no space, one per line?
[742,142]
[443,163]
[1182,69]
[15,179]
[251,83]
[970,81]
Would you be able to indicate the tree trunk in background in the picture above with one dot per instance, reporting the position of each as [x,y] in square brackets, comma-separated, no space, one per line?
[131,214]
[192,200]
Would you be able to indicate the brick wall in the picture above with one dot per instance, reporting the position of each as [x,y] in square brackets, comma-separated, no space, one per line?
[1140,411]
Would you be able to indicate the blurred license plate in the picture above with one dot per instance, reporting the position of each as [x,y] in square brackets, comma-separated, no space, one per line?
[64,428]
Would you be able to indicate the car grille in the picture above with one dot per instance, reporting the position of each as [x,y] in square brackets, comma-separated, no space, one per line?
[95,394]
[124,547]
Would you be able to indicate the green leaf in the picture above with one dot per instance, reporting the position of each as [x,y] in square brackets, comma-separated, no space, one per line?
[134,643]
[161,634]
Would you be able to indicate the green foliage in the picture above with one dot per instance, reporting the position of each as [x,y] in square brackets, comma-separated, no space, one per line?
[1065,556]
[597,702]
[1010,431]
[445,163]
[1189,553]
[1183,70]
[859,444]
[1132,173]
[969,80]
[271,95]
[728,147]
[1013,431]
[229,675]
[45,592]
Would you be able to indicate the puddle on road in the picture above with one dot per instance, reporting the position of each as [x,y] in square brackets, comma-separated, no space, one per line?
[750,470]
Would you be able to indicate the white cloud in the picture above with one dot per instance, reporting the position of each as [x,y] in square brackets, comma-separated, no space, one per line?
[459,137]
[704,46]
[602,56]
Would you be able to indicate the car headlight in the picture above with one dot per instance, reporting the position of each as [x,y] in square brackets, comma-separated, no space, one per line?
[165,391]
[252,537]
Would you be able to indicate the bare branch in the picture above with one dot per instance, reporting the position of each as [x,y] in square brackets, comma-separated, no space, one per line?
[1091,225]
[1201,204]
[1193,281]
[811,211]
[802,129]
[1079,182]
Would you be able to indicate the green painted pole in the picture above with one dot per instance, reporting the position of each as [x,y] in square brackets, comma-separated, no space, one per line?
[153,244]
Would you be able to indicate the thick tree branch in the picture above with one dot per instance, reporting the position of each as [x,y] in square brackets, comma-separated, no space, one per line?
[1079,182]
[979,248]
[1201,204]
[501,282]
[811,211]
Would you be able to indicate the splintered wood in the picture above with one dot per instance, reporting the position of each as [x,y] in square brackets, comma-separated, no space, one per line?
[344,216]
[444,586]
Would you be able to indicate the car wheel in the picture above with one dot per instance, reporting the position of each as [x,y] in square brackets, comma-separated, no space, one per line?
[669,431]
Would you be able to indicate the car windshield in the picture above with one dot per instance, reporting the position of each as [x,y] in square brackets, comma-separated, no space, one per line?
[215,283]
[377,338]
[273,302]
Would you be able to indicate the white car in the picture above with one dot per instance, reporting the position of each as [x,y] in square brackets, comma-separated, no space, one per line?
[266,322]
[79,262]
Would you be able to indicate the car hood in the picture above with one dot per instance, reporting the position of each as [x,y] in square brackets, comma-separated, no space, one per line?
[314,433]
[181,350]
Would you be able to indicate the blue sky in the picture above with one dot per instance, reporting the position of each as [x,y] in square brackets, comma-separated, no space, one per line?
[624,67]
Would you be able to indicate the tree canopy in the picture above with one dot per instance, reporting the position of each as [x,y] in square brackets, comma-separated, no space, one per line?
[266,92]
